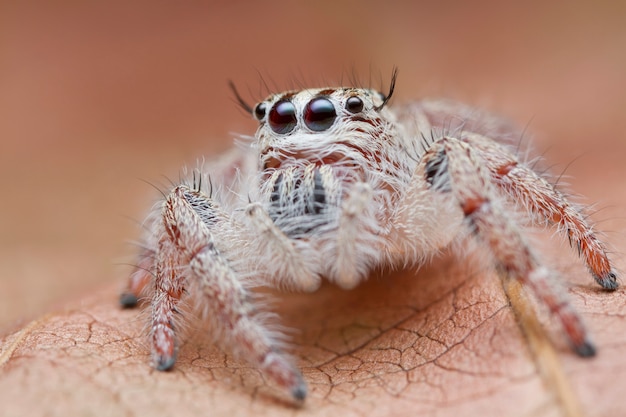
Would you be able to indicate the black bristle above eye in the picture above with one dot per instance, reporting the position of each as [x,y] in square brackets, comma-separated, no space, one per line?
[392,87]
[242,103]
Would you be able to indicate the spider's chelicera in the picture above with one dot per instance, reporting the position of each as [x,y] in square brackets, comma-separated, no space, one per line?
[334,184]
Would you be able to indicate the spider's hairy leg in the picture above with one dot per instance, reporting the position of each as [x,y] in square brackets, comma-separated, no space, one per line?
[468,181]
[139,279]
[188,252]
[291,268]
[142,275]
[542,199]
[168,288]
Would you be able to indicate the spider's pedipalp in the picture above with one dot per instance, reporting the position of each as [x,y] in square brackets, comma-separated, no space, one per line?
[348,272]
[274,244]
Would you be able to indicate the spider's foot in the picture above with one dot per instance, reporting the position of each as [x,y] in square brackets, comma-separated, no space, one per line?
[585,350]
[608,281]
[285,374]
[163,347]
[165,363]
[128,300]
[299,392]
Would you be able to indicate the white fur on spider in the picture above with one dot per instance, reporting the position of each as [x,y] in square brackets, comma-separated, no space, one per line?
[334,184]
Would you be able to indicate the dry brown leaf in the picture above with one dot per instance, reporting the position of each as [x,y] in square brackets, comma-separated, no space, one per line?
[95,96]
[442,343]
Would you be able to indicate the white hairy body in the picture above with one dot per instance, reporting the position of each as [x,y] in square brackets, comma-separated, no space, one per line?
[334,184]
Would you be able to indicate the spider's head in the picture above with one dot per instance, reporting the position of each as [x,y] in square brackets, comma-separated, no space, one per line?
[314,145]
[341,127]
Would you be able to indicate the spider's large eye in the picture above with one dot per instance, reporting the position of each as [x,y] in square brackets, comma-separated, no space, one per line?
[259,111]
[319,114]
[354,105]
[282,117]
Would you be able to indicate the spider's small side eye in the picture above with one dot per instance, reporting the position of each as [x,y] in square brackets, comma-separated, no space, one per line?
[319,114]
[282,117]
[354,105]
[259,111]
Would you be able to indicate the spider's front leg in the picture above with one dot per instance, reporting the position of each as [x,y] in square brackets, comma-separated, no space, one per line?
[454,169]
[188,260]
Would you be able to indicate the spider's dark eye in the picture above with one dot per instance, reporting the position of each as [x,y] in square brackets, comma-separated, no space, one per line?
[282,117]
[354,104]
[319,114]
[259,111]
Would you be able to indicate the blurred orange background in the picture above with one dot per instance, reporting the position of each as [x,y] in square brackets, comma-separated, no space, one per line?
[98,97]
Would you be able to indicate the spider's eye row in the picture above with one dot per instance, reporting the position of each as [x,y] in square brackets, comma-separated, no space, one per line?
[354,105]
[319,114]
[259,111]
[282,117]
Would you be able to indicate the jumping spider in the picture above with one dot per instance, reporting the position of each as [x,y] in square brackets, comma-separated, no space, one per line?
[334,184]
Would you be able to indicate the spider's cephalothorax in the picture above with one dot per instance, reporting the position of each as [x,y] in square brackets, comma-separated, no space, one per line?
[314,145]
[334,184]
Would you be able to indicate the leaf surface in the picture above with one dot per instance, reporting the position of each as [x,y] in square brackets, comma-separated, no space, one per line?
[442,342]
